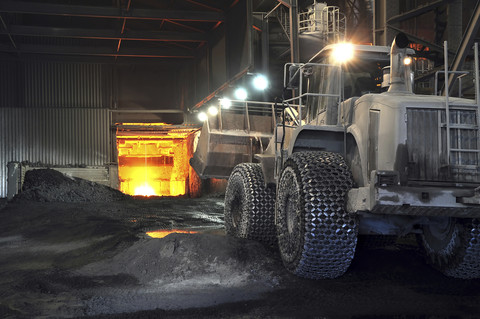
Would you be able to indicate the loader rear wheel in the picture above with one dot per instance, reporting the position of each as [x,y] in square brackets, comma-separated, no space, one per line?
[453,246]
[316,235]
[250,205]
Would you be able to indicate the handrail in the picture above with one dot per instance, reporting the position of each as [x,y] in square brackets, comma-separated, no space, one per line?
[247,107]
[329,20]
[463,73]
[447,105]
[302,66]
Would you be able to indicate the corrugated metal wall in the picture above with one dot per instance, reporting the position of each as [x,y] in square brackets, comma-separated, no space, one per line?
[54,137]
[50,84]
[54,113]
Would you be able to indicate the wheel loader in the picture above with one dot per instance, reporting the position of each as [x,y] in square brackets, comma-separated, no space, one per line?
[348,156]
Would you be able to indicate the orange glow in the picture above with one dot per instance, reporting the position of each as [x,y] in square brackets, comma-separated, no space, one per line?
[153,163]
[144,190]
[144,124]
[163,233]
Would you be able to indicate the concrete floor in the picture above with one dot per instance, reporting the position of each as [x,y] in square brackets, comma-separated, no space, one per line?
[64,260]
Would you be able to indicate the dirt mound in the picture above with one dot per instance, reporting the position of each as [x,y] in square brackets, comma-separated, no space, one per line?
[178,258]
[185,270]
[48,185]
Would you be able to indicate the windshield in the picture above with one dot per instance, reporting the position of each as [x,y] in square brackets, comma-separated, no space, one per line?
[362,78]
[358,77]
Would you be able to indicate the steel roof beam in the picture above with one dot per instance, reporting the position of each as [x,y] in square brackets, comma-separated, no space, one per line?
[107,12]
[433,47]
[417,11]
[105,34]
[7,32]
[99,51]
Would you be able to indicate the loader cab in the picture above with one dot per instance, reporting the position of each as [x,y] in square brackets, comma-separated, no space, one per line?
[347,71]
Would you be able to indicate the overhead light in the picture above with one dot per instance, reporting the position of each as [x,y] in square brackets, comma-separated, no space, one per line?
[407,60]
[342,52]
[202,116]
[212,110]
[225,103]
[241,94]
[260,82]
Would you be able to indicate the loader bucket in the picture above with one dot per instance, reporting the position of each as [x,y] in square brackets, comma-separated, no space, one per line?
[232,137]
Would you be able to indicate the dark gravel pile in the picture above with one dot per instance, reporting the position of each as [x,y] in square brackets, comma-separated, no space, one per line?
[48,185]
[203,258]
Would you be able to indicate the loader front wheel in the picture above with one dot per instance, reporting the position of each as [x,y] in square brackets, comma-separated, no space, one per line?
[453,246]
[250,205]
[316,235]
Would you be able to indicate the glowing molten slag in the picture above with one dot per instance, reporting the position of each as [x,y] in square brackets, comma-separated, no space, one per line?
[163,233]
[144,190]
[152,165]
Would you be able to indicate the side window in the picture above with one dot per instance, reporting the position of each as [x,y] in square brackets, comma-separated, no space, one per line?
[323,80]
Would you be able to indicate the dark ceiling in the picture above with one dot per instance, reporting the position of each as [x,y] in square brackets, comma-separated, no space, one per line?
[162,29]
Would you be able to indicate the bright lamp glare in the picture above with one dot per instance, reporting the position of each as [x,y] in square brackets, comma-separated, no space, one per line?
[343,52]
[241,94]
[407,60]
[202,116]
[225,103]
[212,110]
[260,82]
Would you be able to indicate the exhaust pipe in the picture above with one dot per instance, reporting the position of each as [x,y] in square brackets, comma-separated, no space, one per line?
[401,76]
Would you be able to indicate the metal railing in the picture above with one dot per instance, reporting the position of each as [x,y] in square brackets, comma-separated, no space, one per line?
[298,100]
[459,78]
[247,109]
[449,106]
[283,17]
[329,21]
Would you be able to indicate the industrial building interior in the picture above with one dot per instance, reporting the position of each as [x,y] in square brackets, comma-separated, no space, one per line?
[101,70]
[113,92]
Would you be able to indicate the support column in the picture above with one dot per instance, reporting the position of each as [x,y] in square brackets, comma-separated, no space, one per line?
[294,47]
[454,25]
[383,10]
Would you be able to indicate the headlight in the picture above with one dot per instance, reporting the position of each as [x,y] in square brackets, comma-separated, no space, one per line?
[241,94]
[202,116]
[342,52]
[212,110]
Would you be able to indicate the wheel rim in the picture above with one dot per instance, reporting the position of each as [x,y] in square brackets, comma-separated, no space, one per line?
[291,226]
[236,209]
[291,213]
[439,233]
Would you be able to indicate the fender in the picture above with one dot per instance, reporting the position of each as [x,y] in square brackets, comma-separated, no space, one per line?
[318,138]
[331,138]
[355,133]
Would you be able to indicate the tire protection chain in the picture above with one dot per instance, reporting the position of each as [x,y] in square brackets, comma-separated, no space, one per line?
[460,258]
[260,201]
[330,234]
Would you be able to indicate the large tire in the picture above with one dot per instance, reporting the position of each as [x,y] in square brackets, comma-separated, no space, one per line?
[316,235]
[250,205]
[453,246]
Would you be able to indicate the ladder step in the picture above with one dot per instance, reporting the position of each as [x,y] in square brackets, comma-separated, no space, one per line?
[461,126]
[466,150]
[462,106]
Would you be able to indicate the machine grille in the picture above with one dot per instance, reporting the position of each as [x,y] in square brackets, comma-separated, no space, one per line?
[428,155]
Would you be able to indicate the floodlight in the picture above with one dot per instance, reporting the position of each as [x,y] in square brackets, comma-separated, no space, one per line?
[202,116]
[225,103]
[241,94]
[260,82]
[212,110]
[342,52]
